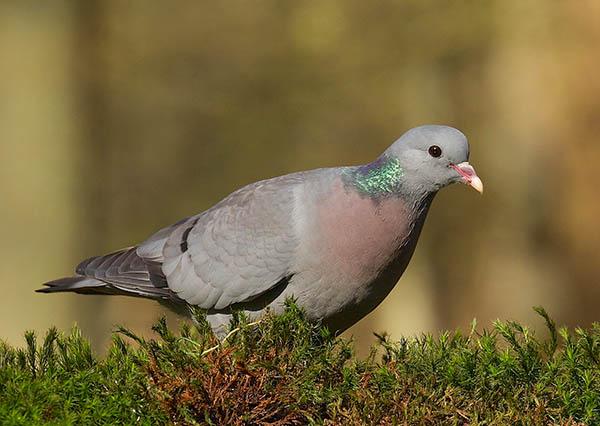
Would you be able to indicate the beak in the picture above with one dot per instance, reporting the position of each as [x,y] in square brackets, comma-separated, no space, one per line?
[468,176]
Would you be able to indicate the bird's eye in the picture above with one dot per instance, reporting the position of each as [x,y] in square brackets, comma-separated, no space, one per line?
[435,151]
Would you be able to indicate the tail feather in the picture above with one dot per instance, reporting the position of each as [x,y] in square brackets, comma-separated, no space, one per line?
[123,266]
[86,285]
[120,273]
[81,285]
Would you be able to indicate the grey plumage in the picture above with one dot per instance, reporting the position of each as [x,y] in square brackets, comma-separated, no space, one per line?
[120,273]
[335,239]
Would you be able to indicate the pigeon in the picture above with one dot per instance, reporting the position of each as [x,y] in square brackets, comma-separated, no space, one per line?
[336,240]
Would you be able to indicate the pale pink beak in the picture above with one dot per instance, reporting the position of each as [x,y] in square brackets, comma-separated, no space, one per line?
[469,176]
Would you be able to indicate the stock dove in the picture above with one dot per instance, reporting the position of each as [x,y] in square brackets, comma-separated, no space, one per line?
[336,239]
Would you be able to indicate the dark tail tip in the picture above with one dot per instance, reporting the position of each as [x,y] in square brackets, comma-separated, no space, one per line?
[75,284]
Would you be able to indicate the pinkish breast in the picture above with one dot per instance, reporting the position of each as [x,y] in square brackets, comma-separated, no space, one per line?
[361,236]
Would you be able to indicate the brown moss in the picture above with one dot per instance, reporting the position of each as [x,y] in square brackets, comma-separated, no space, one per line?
[225,390]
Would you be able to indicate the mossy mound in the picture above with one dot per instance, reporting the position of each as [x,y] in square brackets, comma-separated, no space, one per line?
[285,370]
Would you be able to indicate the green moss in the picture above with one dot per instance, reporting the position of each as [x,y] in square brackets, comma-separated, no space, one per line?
[285,370]
[61,382]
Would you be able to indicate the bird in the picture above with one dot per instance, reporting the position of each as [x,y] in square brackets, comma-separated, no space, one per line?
[336,240]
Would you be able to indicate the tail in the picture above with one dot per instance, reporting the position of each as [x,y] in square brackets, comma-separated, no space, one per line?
[77,284]
[122,273]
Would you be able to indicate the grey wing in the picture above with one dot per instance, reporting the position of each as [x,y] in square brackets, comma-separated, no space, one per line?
[235,251]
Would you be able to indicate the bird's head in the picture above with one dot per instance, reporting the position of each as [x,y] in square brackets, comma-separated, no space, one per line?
[433,157]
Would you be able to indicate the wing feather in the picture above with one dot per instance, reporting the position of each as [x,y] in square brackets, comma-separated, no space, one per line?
[235,251]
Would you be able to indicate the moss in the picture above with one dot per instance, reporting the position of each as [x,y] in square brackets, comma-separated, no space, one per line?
[285,370]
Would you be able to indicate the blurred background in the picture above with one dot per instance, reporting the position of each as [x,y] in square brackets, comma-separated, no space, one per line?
[118,118]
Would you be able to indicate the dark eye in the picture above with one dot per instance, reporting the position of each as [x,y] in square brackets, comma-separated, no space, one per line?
[435,151]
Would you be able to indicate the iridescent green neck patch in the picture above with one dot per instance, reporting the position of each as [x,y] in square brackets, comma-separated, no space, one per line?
[378,178]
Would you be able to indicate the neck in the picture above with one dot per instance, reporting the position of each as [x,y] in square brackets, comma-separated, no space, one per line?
[381,178]
[385,177]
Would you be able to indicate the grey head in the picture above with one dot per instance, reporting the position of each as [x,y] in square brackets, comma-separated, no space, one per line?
[432,157]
